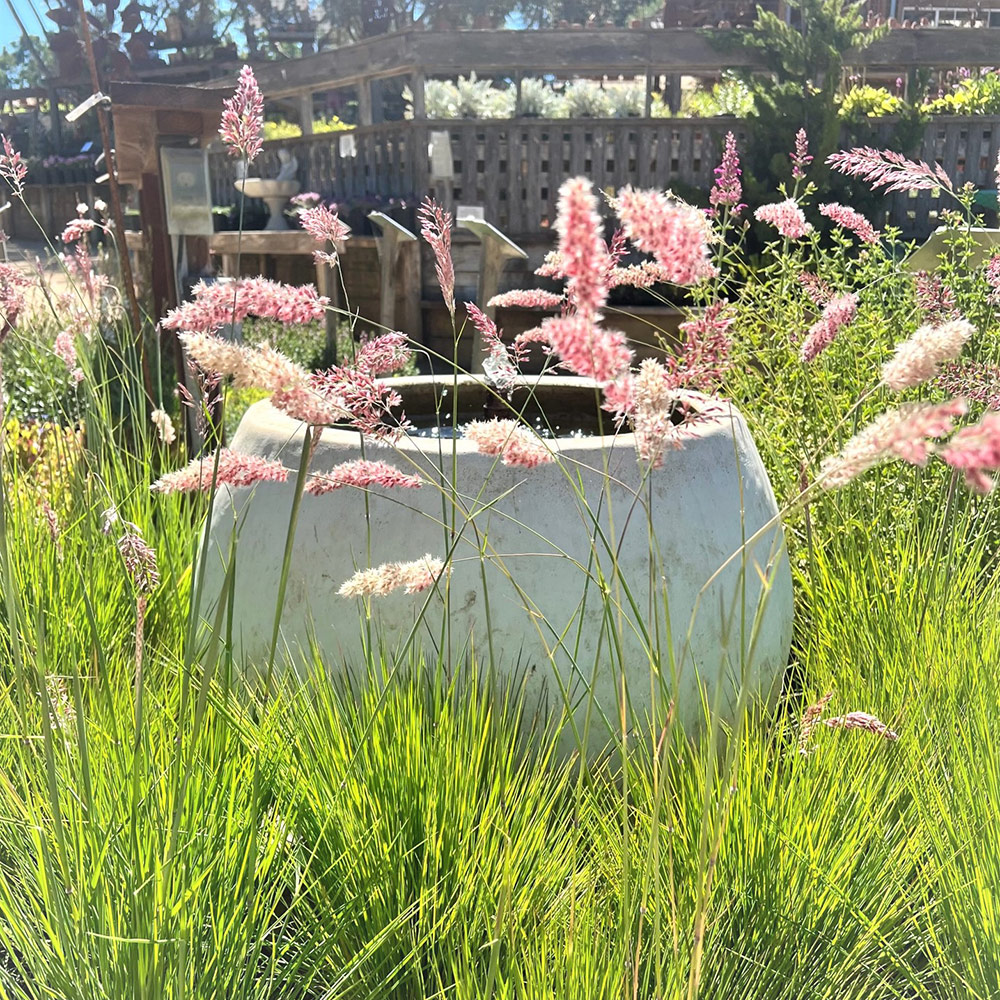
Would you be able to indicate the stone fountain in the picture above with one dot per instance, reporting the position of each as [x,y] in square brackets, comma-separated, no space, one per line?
[275,191]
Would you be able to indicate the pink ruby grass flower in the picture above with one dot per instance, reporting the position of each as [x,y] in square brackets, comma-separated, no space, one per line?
[361,474]
[810,720]
[221,303]
[787,217]
[851,220]
[65,350]
[645,274]
[898,434]
[325,226]
[919,358]
[800,156]
[435,227]
[653,399]
[586,348]
[582,252]
[501,362]
[249,367]
[243,118]
[675,233]
[235,469]
[727,189]
[12,168]
[384,354]
[863,721]
[13,285]
[976,452]
[704,356]
[836,315]
[139,559]
[512,441]
[526,298]
[413,577]
[887,169]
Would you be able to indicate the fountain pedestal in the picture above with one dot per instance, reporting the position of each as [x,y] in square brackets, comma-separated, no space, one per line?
[274,193]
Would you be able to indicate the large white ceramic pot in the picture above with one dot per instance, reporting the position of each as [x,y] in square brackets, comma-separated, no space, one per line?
[673,589]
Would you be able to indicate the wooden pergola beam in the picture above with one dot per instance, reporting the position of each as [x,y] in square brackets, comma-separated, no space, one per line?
[567,52]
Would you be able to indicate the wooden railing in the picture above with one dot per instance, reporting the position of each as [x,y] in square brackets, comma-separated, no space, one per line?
[513,168]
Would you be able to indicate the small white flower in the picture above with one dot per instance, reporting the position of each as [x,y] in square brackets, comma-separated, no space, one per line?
[100,205]
[82,208]
[109,518]
[164,425]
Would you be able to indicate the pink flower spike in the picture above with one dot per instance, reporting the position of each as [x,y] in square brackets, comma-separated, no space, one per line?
[65,349]
[583,254]
[855,222]
[651,416]
[889,170]
[12,288]
[243,118]
[864,721]
[586,348]
[384,354]
[976,451]
[800,158]
[76,229]
[235,469]
[526,298]
[916,360]
[727,190]
[361,474]
[411,576]
[897,434]
[837,314]
[435,227]
[786,217]
[139,559]
[12,168]
[675,233]
[513,442]
[221,303]
[325,226]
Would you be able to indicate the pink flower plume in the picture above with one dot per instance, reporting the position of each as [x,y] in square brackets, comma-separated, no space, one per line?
[837,314]
[243,118]
[435,227]
[918,359]
[361,474]
[976,451]
[887,169]
[675,233]
[582,252]
[897,434]
[513,442]
[411,576]
[235,469]
[851,220]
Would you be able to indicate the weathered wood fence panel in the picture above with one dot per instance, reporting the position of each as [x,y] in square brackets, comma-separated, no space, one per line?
[513,168]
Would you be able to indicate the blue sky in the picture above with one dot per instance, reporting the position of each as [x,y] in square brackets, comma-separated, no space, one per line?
[9,31]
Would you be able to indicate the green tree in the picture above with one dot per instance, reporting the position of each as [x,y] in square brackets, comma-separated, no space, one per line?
[804,59]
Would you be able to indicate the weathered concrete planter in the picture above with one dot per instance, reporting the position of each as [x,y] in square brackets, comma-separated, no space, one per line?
[705,501]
